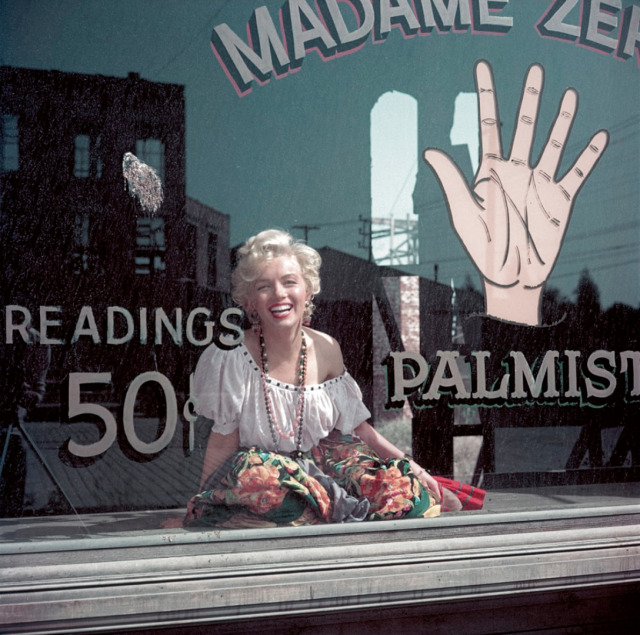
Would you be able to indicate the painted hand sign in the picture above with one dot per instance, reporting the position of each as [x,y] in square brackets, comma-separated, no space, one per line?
[512,219]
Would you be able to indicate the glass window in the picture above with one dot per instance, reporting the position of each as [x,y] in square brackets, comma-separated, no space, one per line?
[80,254]
[82,156]
[151,152]
[150,246]
[113,419]
[9,140]
[87,157]
[97,157]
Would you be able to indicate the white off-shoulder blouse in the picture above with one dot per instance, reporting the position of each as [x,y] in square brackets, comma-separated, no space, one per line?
[228,390]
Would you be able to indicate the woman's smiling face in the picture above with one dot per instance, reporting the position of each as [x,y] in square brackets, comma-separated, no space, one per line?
[280,293]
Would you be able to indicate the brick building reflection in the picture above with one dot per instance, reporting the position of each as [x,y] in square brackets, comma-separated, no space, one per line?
[71,236]
[75,242]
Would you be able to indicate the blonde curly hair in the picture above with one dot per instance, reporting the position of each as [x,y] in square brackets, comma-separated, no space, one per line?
[266,246]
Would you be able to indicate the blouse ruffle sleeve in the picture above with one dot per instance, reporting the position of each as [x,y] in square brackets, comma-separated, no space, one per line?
[219,386]
[349,409]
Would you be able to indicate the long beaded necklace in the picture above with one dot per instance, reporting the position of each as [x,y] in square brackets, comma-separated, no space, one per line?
[271,415]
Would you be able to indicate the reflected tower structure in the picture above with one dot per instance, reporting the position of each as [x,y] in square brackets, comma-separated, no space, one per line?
[394,169]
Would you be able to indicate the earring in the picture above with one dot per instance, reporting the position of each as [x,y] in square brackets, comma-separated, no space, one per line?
[254,318]
[308,311]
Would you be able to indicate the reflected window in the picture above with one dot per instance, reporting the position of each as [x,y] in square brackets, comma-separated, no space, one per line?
[80,254]
[191,242]
[98,157]
[81,160]
[9,138]
[87,161]
[151,151]
[212,257]
[150,246]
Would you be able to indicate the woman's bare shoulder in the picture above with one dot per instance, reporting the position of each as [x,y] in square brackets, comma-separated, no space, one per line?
[323,342]
[328,353]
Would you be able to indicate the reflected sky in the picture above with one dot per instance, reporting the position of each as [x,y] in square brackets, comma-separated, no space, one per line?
[296,150]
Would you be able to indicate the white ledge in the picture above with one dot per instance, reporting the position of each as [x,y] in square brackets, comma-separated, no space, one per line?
[183,578]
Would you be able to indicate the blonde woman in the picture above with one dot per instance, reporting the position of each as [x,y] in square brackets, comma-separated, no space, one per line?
[290,440]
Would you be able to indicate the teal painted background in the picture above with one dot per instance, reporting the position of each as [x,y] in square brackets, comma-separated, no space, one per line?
[295,151]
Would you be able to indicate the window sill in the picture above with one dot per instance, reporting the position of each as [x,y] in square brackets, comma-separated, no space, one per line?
[173,578]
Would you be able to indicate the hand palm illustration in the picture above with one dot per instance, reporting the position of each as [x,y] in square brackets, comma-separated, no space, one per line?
[513,219]
[521,219]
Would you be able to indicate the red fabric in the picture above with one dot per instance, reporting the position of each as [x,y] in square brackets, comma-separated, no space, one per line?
[469,496]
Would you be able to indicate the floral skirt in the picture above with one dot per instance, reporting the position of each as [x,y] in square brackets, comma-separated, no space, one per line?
[340,480]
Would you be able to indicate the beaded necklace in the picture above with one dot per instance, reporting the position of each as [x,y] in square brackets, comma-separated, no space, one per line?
[271,415]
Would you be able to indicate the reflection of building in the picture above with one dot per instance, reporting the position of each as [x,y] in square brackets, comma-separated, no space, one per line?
[375,310]
[70,233]
[394,168]
[68,217]
[208,232]
[403,296]
[117,290]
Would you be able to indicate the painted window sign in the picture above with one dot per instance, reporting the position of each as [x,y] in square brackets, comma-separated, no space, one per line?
[467,171]
[334,28]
